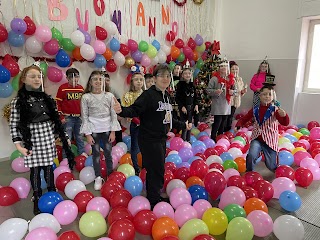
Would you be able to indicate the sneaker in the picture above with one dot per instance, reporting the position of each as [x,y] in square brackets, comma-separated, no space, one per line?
[84,154]
[98,183]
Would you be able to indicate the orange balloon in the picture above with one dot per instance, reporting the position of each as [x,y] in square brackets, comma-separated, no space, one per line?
[175,52]
[195,55]
[241,164]
[255,204]
[164,226]
[107,54]
[126,158]
[76,54]
[139,156]
[194,180]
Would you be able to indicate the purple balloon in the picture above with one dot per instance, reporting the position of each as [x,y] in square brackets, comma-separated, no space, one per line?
[137,55]
[184,164]
[87,36]
[18,25]
[209,143]
[198,39]
[198,149]
[185,154]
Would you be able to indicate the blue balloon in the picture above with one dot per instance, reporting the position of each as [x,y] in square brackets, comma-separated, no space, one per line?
[43,181]
[49,201]
[198,143]
[62,58]
[89,161]
[175,158]
[193,139]
[54,166]
[184,164]
[290,201]
[190,160]
[301,126]
[167,144]
[126,139]
[199,149]
[202,134]
[226,156]
[15,40]
[100,61]
[285,158]
[292,139]
[5,90]
[4,74]
[114,45]
[196,72]
[156,44]
[198,192]
[134,185]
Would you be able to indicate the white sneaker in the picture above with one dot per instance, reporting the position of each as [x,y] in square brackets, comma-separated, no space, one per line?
[98,183]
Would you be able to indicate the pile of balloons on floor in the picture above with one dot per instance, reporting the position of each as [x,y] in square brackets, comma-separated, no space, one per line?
[209,190]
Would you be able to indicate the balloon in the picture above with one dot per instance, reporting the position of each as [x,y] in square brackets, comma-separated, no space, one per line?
[87,36]
[100,61]
[173,184]
[137,56]
[287,227]
[290,201]
[18,165]
[170,36]
[56,34]
[216,220]
[109,188]
[62,59]
[252,177]
[134,185]
[124,49]
[43,33]
[82,199]
[65,212]
[163,209]
[44,220]
[8,196]
[73,188]
[145,60]
[129,62]
[214,183]
[87,52]
[156,44]
[49,201]
[164,226]
[137,204]
[101,33]
[239,228]
[3,33]
[22,186]
[255,204]
[119,58]
[92,224]
[282,184]
[232,195]
[262,223]
[114,45]
[69,235]
[11,65]
[152,51]
[5,90]
[122,230]
[132,45]
[198,192]
[87,175]
[143,222]
[18,25]
[111,66]
[198,40]
[179,196]
[13,228]
[119,213]
[111,27]
[193,228]
[51,47]
[99,204]
[41,233]
[264,189]
[249,192]
[184,213]
[16,40]
[54,74]
[234,210]
[303,176]
[99,47]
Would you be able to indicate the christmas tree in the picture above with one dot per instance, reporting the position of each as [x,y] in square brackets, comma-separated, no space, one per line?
[210,65]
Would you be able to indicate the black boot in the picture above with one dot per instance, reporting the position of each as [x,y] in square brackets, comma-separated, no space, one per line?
[36,197]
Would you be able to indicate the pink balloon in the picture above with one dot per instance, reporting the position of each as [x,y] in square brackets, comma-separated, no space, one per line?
[54,74]
[137,204]
[201,206]
[180,196]
[18,165]
[22,186]
[317,158]
[232,195]
[176,143]
[43,33]
[99,204]
[66,212]
[145,60]
[291,131]
[64,162]
[170,134]
[262,223]
[315,133]
[59,170]
[305,142]
[104,238]
[298,156]
[117,152]
[132,45]
[184,213]
[163,209]
[42,233]
[99,47]
[309,163]
[282,184]
[52,47]
[88,149]
[187,145]
[230,172]
[222,142]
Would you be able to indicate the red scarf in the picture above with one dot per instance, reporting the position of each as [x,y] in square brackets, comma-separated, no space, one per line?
[227,83]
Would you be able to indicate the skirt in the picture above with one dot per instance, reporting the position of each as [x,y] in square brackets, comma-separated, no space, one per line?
[44,148]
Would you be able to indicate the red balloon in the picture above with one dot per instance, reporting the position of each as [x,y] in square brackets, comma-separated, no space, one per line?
[80,162]
[119,213]
[313,124]
[229,135]
[236,145]
[117,176]
[264,189]
[128,79]
[110,187]
[182,173]
[143,175]
[315,152]
[59,153]
[210,151]
[8,196]
[302,175]
[239,116]
[220,149]
[217,166]
[101,33]
[143,222]
[236,181]
[252,177]
[204,237]
[170,166]
[299,144]
[249,192]
[221,136]
[168,176]
[192,43]
[63,179]
[69,235]
[3,33]
[170,36]
[179,43]
[201,155]
[202,127]
[122,230]
[198,168]
[306,137]
[82,199]
[314,145]
[31,26]
[9,63]
[208,45]
[285,171]
[103,168]
[111,66]
[170,237]
[214,183]
[124,49]
[293,127]
[120,198]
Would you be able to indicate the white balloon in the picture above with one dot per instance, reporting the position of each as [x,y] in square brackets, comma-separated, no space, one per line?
[111,28]
[154,61]
[87,175]
[175,183]
[13,229]
[173,152]
[235,152]
[287,227]
[73,188]
[87,52]
[45,220]
[213,159]
[123,146]
[33,45]
[119,59]
[162,56]
[166,49]
[77,38]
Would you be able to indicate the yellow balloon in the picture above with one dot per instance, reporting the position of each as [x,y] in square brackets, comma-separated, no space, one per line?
[129,62]
[126,169]
[283,140]
[297,149]
[297,134]
[92,224]
[193,228]
[216,220]
[56,161]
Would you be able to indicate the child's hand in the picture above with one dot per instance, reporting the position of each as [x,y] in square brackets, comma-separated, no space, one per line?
[116,106]
[90,139]
[24,151]
[231,92]
[112,137]
[282,112]
[188,125]
[218,91]
[184,110]
[196,109]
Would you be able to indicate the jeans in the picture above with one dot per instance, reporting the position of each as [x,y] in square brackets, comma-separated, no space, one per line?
[72,127]
[270,155]
[103,140]
[134,132]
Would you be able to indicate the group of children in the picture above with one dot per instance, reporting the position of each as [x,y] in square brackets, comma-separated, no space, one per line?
[95,111]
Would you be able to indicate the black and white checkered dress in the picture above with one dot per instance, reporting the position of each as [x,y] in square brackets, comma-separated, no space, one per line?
[42,138]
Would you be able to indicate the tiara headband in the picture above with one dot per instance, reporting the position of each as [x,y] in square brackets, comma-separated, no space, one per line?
[265,60]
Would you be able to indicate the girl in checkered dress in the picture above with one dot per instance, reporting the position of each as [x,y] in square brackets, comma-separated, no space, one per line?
[34,125]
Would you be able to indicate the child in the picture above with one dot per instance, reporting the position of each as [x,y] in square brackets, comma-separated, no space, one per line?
[136,85]
[149,80]
[265,132]
[154,109]
[220,88]
[239,90]
[68,103]
[34,121]
[99,122]
[258,79]
[187,100]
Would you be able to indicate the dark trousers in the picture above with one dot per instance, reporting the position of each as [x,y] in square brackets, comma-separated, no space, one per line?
[35,178]
[218,125]
[191,115]
[101,139]
[229,119]
[118,135]
[153,155]
[134,133]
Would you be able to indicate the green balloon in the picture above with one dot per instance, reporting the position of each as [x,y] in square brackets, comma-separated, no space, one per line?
[56,34]
[241,139]
[201,48]
[67,44]
[152,51]
[171,65]
[126,169]
[193,228]
[143,46]
[304,131]
[15,82]
[234,210]
[200,63]
[15,155]
[74,149]
[239,228]
[92,224]
[181,57]
[230,164]
[44,68]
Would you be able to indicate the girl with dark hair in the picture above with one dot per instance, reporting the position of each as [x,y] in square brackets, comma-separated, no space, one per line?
[34,125]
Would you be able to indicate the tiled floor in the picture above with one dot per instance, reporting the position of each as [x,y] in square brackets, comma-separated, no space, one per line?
[309,213]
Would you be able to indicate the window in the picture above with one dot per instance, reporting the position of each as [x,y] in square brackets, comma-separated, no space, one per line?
[312,73]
